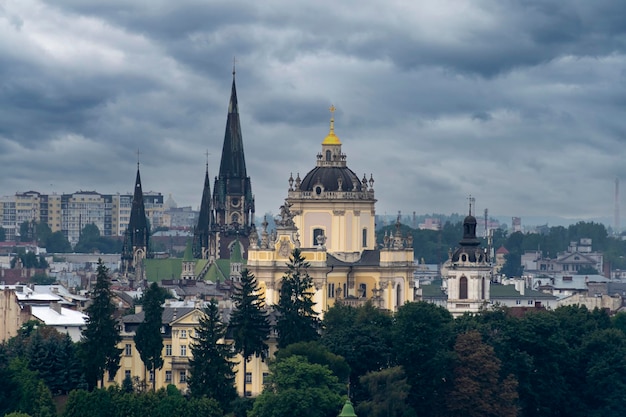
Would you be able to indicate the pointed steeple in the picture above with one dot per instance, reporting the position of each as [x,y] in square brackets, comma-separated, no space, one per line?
[205,220]
[138,224]
[136,247]
[233,163]
[233,201]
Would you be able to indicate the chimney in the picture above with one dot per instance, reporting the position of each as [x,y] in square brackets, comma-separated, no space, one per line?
[56,306]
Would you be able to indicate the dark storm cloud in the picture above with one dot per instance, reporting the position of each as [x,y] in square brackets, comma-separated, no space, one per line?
[519,103]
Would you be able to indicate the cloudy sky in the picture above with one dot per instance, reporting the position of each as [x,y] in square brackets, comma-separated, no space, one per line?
[520,103]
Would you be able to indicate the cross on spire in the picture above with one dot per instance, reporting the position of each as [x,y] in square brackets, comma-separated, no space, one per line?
[138,153]
[234,63]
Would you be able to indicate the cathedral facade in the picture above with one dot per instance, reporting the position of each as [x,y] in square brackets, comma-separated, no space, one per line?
[226,216]
[329,214]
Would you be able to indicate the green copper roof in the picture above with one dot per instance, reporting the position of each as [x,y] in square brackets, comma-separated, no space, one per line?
[188,256]
[160,269]
[347,410]
[235,255]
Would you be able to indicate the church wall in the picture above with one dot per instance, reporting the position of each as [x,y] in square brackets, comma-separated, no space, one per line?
[314,220]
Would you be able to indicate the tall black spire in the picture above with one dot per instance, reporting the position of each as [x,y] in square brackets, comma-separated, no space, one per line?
[202,234]
[135,247]
[233,163]
[233,202]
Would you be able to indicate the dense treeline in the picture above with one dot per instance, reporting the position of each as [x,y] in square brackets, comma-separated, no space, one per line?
[567,362]
[419,361]
[433,246]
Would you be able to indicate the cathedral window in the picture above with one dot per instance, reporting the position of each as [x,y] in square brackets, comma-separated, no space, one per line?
[398,295]
[318,232]
[331,290]
[364,238]
[482,289]
[463,288]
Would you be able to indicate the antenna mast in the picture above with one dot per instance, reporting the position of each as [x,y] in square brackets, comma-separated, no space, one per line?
[616,221]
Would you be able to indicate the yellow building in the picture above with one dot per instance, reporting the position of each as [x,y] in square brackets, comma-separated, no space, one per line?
[330,215]
[178,327]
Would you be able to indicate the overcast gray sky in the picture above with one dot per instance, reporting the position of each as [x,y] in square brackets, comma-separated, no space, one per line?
[517,102]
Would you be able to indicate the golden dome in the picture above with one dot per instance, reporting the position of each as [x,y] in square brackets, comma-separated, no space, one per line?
[332,139]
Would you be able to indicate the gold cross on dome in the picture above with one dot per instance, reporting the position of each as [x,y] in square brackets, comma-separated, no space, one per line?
[332,110]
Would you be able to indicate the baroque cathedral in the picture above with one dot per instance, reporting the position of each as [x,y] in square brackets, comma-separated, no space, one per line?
[329,214]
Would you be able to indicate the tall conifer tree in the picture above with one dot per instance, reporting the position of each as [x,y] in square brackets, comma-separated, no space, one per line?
[249,321]
[101,336]
[148,338]
[297,321]
[212,362]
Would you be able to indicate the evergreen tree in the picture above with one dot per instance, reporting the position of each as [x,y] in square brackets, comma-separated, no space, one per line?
[101,336]
[297,321]
[148,338]
[249,321]
[212,363]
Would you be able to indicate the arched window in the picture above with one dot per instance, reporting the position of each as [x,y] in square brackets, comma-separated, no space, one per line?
[482,290]
[399,295]
[317,232]
[363,290]
[328,155]
[364,238]
[463,288]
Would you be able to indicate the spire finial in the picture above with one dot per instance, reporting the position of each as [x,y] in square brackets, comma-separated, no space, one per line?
[332,118]
[207,159]
[234,63]
[471,200]
[138,153]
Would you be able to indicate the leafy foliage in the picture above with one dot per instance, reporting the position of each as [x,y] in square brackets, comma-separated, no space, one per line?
[423,337]
[299,388]
[363,336]
[297,320]
[478,390]
[91,241]
[113,402]
[387,391]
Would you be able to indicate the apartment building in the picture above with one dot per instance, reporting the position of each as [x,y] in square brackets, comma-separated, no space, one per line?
[70,213]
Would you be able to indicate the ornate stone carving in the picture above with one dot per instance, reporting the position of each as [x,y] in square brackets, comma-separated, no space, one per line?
[339,212]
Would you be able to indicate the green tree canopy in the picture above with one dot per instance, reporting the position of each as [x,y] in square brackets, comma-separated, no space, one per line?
[299,388]
[211,367]
[363,336]
[478,390]
[315,352]
[297,320]
[58,243]
[148,338]
[249,320]
[423,339]
[387,393]
[100,337]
